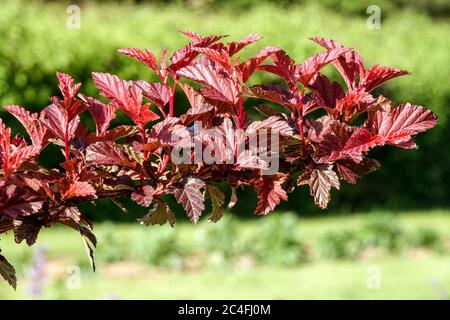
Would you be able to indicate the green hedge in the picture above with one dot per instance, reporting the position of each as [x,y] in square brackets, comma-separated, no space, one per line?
[439,8]
[35,43]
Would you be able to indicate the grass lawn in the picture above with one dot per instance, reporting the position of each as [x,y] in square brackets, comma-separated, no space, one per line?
[412,274]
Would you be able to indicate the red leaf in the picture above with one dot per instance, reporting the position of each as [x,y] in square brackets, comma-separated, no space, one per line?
[248,160]
[378,75]
[270,193]
[169,133]
[192,35]
[13,156]
[111,87]
[184,56]
[220,56]
[114,134]
[155,92]
[190,196]
[234,47]
[68,89]
[145,57]
[398,125]
[345,142]
[308,69]
[273,93]
[107,153]
[143,197]
[71,213]
[196,113]
[146,115]
[320,180]
[248,67]
[102,114]
[217,80]
[327,93]
[350,65]
[19,156]
[67,86]
[358,100]
[283,66]
[31,123]
[125,95]
[78,189]
[274,123]
[5,140]
[194,97]
[57,120]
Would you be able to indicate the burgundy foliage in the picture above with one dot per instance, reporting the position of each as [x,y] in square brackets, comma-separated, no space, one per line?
[326,131]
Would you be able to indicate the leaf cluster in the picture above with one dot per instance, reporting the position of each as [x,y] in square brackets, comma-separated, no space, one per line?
[325,131]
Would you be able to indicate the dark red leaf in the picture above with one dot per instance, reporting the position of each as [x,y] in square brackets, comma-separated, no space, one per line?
[217,200]
[273,93]
[159,214]
[327,93]
[15,201]
[168,132]
[114,134]
[270,193]
[351,171]
[194,97]
[26,228]
[8,272]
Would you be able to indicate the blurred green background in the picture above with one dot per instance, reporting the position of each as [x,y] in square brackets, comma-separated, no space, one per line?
[315,253]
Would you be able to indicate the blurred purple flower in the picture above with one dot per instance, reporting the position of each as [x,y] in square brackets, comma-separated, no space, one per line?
[37,275]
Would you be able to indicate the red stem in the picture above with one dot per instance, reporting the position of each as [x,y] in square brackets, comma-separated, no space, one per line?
[67,149]
[144,141]
[300,118]
[164,163]
[240,114]
[171,99]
